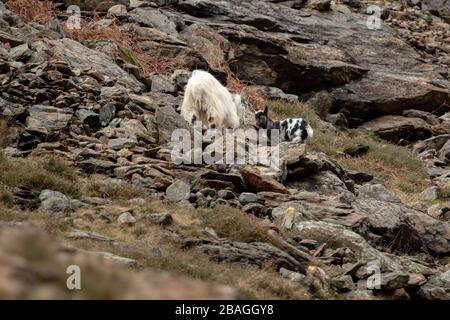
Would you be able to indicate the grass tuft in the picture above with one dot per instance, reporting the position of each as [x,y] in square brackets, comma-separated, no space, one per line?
[232,224]
[38,174]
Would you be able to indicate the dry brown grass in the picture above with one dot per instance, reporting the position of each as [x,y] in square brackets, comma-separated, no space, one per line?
[143,242]
[397,166]
[127,42]
[32,10]
[139,242]
[34,266]
[252,282]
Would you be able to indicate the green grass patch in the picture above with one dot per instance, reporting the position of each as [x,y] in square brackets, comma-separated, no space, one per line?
[129,57]
[39,174]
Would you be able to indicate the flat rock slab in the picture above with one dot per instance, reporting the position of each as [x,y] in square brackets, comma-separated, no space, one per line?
[82,58]
[395,128]
[256,180]
[178,191]
[48,118]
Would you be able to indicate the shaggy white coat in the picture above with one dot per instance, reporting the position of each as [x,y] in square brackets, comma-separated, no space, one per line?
[208,101]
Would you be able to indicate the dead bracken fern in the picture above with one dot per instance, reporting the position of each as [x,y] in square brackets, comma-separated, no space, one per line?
[254,99]
[129,51]
[32,10]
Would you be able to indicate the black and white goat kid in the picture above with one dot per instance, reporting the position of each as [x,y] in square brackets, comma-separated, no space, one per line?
[296,130]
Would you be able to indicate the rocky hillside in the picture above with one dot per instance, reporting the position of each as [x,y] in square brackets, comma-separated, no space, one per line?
[88,107]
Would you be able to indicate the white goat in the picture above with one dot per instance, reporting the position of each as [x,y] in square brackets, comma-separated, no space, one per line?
[208,101]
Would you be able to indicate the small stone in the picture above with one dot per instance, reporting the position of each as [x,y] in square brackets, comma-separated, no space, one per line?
[288,218]
[399,294]
[226,194]
[258,181]
[353,3]
[106,113]
[133,127]
[211,232]
[48,118]
[365,271]
[247,197]
[123,162]
[161,84]
[89,118]
[120,143]
[124,153]
[116,93]
[416,280]
[118,259]
[234,203]
[97,166]
[20,53]
[444,153]
[77,204]
[55,202]
[180,78]
[178,191]
[292,276]
[219,202]
[343,283]
[118,10]
[81,234]
[309,243]
[356,150]
[291,152]
[208,192]
[127,219]
[163,219]
[432,292]
[393,280]
[320,5]
[278,212]
[359,177]
[256,209]
[359,295]
[430,194]
[339,119]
